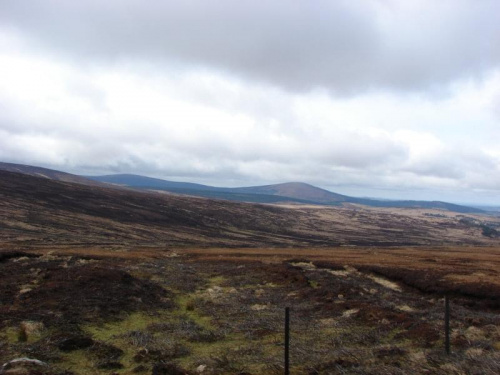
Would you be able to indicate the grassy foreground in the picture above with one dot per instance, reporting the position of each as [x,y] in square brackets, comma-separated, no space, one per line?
[215,312]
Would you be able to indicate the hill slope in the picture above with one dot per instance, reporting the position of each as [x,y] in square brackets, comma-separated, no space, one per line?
[136,181]
[51,174]
[254,195]
[297,190]
[41,211]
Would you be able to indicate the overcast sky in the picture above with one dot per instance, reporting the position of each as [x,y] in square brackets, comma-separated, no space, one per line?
[382,98]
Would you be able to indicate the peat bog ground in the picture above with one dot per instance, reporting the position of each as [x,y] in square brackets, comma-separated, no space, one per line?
[97,280]
[220,311]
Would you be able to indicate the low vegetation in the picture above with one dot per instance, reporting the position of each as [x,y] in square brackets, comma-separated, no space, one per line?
[42,212]
[125,312]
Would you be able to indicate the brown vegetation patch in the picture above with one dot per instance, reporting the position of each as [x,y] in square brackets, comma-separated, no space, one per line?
[40,211]
[229,310]
[69,291]
[485,295]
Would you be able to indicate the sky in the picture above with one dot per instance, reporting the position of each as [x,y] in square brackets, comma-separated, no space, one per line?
[379,98]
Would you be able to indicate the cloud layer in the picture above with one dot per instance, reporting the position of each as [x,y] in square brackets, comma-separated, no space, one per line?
[387,98]
[346,46]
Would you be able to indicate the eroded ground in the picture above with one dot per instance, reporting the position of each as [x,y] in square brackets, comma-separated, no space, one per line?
[220,311]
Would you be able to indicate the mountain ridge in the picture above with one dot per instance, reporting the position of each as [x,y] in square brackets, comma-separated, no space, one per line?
[288,192]
[294,192]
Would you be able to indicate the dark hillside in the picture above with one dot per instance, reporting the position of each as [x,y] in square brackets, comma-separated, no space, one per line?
[51,174]
[37,210]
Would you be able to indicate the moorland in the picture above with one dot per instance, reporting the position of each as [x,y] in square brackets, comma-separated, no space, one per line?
[101,280]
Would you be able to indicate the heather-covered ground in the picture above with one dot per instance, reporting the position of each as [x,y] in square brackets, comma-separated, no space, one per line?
[43,212]
[158,311]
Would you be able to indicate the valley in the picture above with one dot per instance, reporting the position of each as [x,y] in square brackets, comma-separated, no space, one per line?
[105,280]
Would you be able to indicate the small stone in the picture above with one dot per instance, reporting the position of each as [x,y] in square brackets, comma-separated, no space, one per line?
[258,307]
[349,313]
[30,329]
[201,368]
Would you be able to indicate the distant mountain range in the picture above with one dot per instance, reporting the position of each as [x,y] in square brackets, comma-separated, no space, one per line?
[292,192]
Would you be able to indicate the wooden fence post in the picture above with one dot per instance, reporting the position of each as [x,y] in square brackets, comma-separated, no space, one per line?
[447,324]
[287,341]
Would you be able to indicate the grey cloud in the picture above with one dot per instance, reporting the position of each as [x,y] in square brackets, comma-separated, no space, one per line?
[238,92]
[344,46]
[466,167]
[358,150]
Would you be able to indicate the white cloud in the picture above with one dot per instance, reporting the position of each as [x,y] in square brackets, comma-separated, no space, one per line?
[403,117]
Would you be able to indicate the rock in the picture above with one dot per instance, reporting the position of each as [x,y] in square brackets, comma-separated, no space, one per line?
[405,308]
[20,366]
[201,368]
[258,307]
[31,329]
[349,313]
